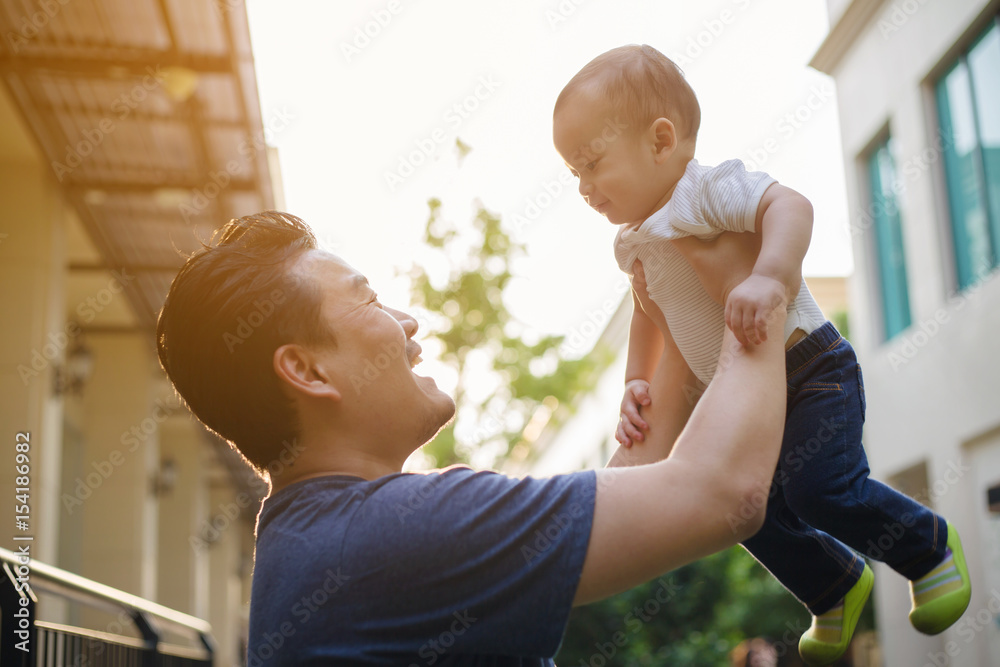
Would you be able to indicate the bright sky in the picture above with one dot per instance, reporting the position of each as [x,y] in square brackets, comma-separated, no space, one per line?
[367,105]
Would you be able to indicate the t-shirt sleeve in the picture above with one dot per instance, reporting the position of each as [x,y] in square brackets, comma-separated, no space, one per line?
[487,562]
[719,199]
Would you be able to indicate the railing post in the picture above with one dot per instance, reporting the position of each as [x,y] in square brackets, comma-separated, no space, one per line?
[152,637]
[209,643]
[18,637]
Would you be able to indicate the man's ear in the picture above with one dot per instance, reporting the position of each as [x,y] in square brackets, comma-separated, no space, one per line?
[298,371]
[663,137]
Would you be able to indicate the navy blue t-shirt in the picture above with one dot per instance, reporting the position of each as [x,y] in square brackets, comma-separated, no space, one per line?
[451,567]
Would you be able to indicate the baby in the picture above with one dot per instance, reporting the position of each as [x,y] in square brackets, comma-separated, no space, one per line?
[626,126]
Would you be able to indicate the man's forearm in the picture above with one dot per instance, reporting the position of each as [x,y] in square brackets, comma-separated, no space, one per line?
[678,510]
[738,423]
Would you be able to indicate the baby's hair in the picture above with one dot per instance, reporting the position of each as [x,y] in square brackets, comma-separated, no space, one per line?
[644,84]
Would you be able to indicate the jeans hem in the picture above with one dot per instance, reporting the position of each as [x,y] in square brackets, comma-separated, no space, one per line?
[920,566]
[837,590]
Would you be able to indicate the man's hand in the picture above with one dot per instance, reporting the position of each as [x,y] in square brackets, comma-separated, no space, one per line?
[750,307]
[721,263]
[631,425]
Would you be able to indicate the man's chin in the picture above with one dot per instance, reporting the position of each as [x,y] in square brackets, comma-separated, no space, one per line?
[429,387]
[448,410]
[441,419]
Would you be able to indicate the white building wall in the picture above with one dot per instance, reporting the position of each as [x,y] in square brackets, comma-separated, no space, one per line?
[32,345]
[933,395]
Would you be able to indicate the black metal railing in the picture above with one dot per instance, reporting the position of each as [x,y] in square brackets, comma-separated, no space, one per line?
[25,641]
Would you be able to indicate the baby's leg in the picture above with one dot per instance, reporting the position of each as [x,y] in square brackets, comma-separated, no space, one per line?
[825,480]
[826,472]
[722,263]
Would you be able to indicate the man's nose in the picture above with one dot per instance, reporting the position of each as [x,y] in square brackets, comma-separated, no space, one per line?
[408,322]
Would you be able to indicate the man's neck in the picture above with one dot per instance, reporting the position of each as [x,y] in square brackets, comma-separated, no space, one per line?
[323,458]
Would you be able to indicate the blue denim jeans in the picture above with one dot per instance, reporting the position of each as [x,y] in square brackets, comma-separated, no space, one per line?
[822,498]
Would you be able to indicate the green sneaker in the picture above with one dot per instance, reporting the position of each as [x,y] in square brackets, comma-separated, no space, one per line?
[830,634]
[942,595]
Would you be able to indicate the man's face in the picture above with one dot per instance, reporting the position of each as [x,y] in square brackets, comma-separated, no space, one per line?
[373,359]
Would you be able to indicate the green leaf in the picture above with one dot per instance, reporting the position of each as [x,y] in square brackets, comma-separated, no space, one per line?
[475,318]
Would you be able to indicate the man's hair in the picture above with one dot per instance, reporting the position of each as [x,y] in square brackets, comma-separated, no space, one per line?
[233,303]
[644,85]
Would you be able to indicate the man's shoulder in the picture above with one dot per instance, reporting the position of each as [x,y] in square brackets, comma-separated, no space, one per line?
[459,477]
[402,492]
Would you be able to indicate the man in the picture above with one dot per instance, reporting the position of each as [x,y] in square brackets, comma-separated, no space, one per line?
[271,342]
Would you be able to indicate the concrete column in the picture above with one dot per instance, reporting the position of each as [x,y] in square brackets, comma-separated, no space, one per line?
[111,494]
[224,578]
[33,342]
[183,566]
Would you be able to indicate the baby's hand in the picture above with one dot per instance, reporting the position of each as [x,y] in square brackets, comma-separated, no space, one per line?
[750,306]
[631,425]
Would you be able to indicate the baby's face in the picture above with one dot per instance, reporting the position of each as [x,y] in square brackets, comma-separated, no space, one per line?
[614,162]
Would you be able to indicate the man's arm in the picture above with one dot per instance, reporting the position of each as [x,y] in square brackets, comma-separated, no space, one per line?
[721,263]
[670,513]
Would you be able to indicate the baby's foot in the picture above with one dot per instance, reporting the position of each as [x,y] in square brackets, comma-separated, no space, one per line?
[941,596]
[830,633]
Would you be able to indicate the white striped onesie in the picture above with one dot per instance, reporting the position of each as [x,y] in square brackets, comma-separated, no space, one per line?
[706,202]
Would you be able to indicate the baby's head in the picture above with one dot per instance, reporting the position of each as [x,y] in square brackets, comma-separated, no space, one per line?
[640,84]
[626,124]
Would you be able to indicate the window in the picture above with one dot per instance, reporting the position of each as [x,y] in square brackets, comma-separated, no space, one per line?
[888,240]
[968,102]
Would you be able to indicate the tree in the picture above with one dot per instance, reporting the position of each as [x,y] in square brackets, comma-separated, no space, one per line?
[523,371]
[711,605]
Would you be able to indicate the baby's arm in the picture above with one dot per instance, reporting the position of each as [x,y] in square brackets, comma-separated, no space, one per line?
[645,345]
[673,395]
[784,219]
[669,389]
[752,274]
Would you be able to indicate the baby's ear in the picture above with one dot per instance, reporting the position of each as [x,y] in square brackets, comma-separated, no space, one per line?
[664,137]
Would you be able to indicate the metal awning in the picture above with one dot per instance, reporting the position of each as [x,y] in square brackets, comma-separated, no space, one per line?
[147,113]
